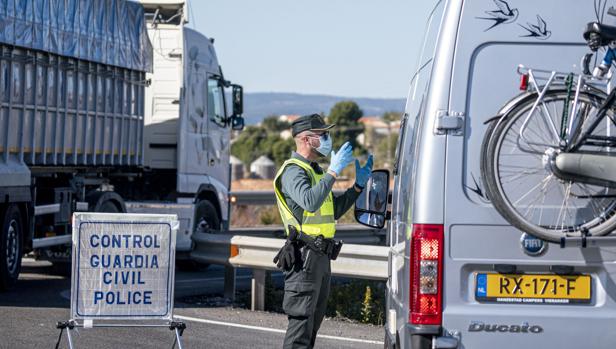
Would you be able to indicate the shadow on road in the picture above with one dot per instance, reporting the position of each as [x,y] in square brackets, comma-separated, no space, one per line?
[38,286]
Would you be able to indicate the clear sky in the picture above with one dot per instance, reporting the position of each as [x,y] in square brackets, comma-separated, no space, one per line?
[353,48]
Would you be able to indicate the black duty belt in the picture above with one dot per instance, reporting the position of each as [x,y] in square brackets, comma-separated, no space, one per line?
[329,247]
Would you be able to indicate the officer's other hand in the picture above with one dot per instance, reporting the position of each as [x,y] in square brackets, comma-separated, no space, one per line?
[285,259]
[362,174]
[342,158]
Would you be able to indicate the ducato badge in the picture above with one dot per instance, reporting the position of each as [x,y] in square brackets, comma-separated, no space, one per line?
[533,246]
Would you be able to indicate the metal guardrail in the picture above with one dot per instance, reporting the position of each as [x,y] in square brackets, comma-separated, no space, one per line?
[262,197]
[213,248]
[349,233]
[356,261]
[259,197]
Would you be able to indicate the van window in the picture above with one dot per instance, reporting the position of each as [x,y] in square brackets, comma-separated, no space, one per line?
[404,167]
[215,102]
[433,24]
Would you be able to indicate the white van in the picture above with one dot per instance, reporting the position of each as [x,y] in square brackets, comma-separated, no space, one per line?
[447,242]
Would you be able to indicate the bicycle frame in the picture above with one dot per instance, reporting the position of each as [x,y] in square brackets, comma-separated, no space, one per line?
[571,139]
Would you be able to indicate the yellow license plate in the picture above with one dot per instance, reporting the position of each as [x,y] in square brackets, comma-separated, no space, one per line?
[533,288]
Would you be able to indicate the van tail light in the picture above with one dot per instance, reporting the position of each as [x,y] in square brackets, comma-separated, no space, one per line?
[426,274]
[523,82]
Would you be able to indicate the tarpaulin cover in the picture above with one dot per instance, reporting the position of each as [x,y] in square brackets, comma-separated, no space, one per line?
[111,32]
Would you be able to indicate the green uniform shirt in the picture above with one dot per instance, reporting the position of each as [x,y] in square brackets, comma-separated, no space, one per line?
[300,195]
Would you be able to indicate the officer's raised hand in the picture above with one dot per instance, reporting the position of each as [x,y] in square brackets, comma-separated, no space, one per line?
[362,174]
[341,159]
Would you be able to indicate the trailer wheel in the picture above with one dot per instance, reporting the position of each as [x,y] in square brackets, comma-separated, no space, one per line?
[10,246]
[105,201]
[99,201]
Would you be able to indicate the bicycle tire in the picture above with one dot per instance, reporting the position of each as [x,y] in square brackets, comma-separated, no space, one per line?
[507,108]
[493,170]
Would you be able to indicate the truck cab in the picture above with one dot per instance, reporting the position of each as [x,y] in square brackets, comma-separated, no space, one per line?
[188,122]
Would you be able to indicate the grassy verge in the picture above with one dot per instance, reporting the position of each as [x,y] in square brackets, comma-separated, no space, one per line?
[349,299]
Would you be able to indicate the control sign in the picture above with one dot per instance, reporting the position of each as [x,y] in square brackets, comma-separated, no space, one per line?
[123,266]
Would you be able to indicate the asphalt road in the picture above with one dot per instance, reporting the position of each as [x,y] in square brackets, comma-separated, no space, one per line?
[29,312]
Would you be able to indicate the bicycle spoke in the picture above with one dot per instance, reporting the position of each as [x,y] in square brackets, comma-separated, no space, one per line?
[537,197]
[517,175]
[544,190]
[532,189]
[563,207]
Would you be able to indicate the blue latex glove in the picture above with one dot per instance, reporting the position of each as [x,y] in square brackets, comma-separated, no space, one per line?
[342,158]
[362,174]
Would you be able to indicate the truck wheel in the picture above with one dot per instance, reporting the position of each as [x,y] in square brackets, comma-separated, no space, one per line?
[105,201]
[10,247]
[206,218]
[206,221]
[100,201]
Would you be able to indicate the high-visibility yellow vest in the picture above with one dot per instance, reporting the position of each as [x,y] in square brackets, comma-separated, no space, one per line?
[321,222]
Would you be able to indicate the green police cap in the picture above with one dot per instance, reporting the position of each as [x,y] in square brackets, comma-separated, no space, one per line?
[312,122]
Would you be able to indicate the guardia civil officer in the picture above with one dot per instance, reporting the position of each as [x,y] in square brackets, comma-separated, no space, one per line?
[309,211]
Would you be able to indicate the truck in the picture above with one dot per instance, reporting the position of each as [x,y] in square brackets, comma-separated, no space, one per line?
[110,106]
[461,276]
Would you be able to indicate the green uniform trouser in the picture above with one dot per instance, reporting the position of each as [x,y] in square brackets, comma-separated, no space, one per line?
[305,298]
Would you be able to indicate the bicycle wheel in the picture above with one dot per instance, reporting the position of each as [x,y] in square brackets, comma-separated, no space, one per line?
[519,178]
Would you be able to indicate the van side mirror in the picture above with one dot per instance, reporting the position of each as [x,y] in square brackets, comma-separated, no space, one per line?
[237,120]
[371,205]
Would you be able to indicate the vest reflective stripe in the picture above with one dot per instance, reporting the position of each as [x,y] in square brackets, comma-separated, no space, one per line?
[317,223]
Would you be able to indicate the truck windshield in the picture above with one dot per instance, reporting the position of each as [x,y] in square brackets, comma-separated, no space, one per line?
[215,102]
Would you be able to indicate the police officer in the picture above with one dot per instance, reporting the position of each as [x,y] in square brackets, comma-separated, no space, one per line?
[309,211]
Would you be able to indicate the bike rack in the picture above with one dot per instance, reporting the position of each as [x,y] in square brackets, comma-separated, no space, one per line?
[542,80]
[587,241]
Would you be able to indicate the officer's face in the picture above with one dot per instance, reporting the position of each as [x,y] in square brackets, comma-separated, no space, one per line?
[314,138]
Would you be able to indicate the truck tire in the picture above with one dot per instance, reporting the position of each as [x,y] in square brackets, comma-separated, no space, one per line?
[10,246]
[100,201]
[105,201]
[206,218]
[206,221]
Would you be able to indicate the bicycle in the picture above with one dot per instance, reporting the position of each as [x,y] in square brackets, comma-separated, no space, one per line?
[549,160]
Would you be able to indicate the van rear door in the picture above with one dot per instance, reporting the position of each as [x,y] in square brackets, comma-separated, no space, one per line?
[493,38]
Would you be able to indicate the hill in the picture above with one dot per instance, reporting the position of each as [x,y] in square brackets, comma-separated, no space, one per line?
[259,105]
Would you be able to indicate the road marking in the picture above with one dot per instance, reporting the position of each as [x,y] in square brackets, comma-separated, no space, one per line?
[269,329]
[222,278]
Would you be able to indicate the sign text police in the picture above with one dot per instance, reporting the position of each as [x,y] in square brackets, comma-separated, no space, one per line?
[124,269]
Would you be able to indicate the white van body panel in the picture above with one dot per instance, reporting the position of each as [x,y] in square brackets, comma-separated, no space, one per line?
[471,71]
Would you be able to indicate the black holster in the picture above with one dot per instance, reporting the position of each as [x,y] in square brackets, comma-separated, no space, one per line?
[337,246]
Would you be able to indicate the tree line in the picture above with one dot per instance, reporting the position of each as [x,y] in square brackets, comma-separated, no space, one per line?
[265,139]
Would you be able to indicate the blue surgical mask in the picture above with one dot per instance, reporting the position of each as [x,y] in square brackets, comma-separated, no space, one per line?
[326,145]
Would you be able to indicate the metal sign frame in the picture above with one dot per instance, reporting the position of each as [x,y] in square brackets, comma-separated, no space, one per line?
[81,220]
[79,319]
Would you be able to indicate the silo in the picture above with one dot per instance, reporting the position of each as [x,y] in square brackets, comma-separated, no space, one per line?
[237,168]
[263,168]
